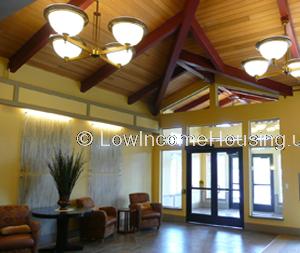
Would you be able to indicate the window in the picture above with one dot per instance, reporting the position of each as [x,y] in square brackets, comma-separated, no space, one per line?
[266,173]
[172,179]
[215,133]
[173,135]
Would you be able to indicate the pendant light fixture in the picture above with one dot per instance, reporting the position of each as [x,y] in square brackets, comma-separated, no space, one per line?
[293,67]
[121,57]
[127,30]
[68,21]
[256,66]
[272,49]
[63,48]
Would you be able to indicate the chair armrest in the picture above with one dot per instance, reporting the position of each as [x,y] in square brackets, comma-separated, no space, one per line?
[135,207]
[157,207]
[110,211]
[35,227]
[35,230]
[99,213]
[95,216]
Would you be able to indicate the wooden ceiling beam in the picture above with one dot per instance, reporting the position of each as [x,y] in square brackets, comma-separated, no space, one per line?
[266,97]
[251,97]
[236,74]
[285,14]
[150,88]
[205,76]
[225,101]
[188,14]
[193,104]
[149,41]
[38,41]
[201,38]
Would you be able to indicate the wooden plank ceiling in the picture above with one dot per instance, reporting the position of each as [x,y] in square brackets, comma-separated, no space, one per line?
[232,26]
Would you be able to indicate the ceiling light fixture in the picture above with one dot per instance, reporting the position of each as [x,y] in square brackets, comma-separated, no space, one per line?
[68,21]
[273,49]
[256,66]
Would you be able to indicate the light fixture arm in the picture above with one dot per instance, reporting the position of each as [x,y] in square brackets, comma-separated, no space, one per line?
[95,52]
[270,74]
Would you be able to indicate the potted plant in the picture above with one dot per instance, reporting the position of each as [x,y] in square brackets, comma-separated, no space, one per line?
[65,170]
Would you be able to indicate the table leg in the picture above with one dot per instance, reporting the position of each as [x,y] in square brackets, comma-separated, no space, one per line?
[62,243]
[62,233]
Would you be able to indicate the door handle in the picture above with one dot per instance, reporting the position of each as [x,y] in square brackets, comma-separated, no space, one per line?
[183,191]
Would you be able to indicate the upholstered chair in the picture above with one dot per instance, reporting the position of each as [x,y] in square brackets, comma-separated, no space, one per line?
[99,224]
[147,214]
[18,233]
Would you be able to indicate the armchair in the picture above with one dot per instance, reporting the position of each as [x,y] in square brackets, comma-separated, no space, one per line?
[100,223]
[17,237]
[148,214]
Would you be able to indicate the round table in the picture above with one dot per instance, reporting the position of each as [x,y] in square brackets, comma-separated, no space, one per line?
[62,219]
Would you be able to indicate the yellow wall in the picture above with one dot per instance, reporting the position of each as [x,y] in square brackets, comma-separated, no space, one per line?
[136,163]
[287,110]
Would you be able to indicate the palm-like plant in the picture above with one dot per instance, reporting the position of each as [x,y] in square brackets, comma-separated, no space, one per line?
[65,170]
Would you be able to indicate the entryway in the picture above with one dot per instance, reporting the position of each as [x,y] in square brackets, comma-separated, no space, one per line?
[215,186]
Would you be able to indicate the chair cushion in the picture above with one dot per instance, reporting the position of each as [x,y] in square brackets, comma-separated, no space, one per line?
[111,220]
[149,214]
[145,205]
[12,230]
[85,202]
[16,241]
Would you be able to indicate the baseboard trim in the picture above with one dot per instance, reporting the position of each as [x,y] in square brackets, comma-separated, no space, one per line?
[276,230]
[270,229]
[173,218]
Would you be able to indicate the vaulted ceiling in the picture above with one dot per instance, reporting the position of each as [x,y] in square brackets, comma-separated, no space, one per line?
[229,28]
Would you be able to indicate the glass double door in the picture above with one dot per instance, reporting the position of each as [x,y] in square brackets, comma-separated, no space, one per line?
[215,186]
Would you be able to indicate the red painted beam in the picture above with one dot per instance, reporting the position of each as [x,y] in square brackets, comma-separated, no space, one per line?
[236,74]
[205,76]
[255,98]
[266,97]
[193,104]
[225,101]
[196,61]
[188,14]
[38,41]
[266,84]
[203,41]
[149,41]
[152,87]
[286,15]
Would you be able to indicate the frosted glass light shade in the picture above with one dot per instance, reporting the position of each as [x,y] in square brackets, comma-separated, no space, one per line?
[127,30]
[64,49]
[274,48]
[121,57]
[66,18]
[256,66]
[294,67]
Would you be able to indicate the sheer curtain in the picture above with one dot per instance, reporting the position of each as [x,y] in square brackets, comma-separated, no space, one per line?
[41,138]
[105,169]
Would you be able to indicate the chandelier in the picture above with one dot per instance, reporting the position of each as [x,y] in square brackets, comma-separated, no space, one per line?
[68,21]
[272,49]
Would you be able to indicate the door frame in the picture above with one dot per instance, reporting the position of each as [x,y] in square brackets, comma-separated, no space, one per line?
[259,207]
[213,219]
[232,204]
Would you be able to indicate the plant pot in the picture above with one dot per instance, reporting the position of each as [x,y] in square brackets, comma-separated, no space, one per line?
[63,202]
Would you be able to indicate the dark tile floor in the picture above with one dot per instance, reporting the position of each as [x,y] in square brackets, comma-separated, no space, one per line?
[184,238]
